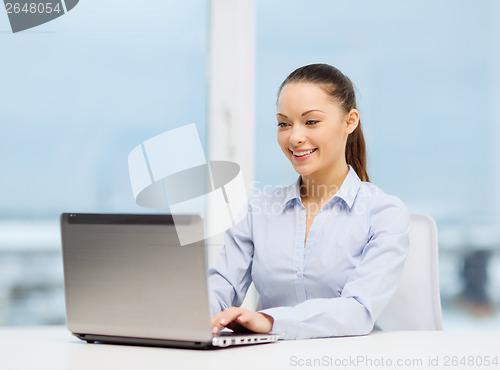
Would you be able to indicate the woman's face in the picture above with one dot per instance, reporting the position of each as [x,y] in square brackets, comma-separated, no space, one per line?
[312,128]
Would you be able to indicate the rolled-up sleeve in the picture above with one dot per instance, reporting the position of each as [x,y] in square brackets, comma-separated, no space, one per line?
[368,288]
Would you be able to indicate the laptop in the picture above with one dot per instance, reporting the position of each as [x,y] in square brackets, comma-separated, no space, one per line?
[128,280]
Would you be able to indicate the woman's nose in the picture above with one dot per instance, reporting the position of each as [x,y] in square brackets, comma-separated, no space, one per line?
[297,135]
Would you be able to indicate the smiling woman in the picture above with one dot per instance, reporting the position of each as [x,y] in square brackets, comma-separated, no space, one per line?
[327,258]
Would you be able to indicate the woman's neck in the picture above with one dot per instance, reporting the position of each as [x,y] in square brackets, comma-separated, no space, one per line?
[320,187]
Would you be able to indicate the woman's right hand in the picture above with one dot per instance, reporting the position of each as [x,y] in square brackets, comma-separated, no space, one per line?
[240,319]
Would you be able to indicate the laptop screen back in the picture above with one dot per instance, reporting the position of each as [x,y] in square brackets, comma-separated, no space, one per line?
[127,275]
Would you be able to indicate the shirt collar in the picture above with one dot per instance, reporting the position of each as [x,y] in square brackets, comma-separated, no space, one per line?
[347,191]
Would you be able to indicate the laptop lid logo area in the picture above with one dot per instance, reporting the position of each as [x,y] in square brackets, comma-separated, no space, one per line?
[25,14]
[171,170]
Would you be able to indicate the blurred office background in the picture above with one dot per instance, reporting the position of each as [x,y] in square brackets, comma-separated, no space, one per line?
[79,93]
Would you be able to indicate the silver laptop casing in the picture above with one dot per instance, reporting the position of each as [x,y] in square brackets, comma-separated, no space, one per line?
[128,280]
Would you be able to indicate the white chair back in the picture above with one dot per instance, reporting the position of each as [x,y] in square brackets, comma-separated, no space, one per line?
[416,305]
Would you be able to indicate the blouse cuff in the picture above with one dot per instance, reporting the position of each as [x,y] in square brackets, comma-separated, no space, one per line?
[285,321]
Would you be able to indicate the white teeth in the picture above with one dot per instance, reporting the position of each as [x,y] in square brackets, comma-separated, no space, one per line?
[300,154]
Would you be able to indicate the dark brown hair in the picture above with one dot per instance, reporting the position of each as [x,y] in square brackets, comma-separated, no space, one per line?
[341,89]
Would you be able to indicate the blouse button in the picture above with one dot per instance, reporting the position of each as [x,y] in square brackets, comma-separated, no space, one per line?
[299,274]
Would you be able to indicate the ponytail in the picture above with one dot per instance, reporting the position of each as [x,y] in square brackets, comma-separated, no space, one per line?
[355,153]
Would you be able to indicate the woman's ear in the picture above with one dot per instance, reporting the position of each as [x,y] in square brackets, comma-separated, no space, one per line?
[352,121]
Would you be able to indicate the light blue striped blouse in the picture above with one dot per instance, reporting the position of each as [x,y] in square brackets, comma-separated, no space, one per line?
[338,283]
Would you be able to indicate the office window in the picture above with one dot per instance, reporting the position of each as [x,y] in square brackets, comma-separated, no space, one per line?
[77,95]
[427,79]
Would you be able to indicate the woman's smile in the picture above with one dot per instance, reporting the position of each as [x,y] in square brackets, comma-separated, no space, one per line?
[302,154]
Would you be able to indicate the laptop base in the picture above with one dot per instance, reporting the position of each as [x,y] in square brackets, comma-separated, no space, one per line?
[91,338]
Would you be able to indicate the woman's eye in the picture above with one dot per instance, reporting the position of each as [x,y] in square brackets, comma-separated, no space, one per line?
[282,124]
[311,122]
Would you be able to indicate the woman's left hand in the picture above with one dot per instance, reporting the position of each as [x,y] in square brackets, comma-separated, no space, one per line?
[241,320]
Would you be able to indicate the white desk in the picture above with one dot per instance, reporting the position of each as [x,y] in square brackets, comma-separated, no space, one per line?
[55,348]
